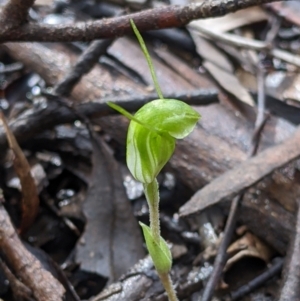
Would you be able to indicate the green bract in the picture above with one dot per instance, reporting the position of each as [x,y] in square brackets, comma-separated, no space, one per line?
[160,253]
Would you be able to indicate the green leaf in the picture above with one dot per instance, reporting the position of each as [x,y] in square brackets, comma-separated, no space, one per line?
[159,252]
[148,59]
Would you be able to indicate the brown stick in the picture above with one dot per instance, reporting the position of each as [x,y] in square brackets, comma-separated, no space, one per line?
[84,64]
[158,18]
[257,281]
[25,266]
[57,113]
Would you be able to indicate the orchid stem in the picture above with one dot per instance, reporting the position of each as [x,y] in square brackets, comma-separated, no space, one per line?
[168,286]
[152,196]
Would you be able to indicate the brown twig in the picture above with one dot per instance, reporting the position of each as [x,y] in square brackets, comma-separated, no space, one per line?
[33,122]
[24,265]
[258,281]
[158,18]
[242,42]
[290,290]
[221,257]
[84,64]
[261,117]
[14,14]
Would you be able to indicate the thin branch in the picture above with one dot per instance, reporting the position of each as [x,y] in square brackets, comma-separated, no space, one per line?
[14,13]
[32,122]
[222,255]
[258,281]
[242,42]
[158,18]
[85,63]
[261,117]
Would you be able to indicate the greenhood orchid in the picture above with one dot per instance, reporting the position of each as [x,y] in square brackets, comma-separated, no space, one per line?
[151,139]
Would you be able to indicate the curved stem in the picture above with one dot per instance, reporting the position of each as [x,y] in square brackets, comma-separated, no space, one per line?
[168,286]
[152,196]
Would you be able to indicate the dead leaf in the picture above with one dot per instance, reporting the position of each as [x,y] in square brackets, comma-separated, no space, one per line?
[292,92]
[243,176]
[112,241]
[211,53]
[30,198]
[231,21]
[221,69]
[178,65]
[229,82]
[248,246]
